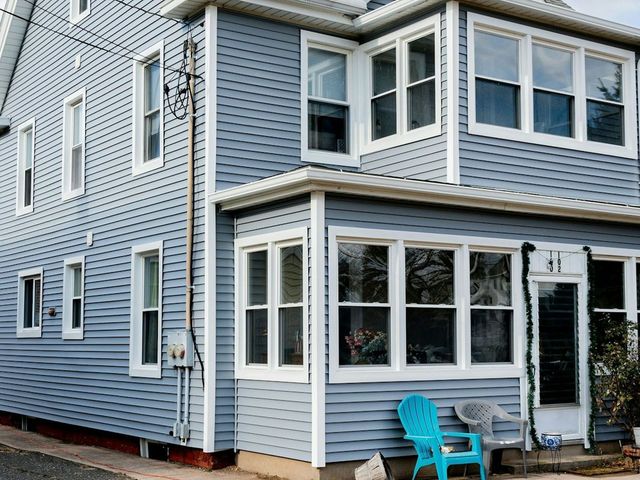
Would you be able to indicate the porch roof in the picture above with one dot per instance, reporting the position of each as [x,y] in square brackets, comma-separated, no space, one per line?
[313,179]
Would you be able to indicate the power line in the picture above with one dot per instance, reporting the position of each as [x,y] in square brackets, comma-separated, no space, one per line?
[89,44]
[149,12]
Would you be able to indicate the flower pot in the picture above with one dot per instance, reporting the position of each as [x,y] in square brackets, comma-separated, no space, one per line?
[636,434]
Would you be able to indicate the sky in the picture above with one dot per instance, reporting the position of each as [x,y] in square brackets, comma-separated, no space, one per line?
[622,11]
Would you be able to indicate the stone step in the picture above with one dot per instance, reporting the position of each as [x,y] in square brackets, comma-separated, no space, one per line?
[544,464]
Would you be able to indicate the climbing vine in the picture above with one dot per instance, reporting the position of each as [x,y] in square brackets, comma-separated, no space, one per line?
[526,250]
[593,340]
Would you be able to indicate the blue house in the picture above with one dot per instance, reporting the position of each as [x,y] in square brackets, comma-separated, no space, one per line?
[364,178]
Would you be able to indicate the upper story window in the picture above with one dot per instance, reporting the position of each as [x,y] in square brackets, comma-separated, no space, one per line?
[148,111]
[79,9]
[271,308]
[73,299]
[73,161]
[536,86]
[25,176]
[328,116]
[403,89]
[29,303]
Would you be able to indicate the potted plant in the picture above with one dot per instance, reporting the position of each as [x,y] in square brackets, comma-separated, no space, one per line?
[617,361]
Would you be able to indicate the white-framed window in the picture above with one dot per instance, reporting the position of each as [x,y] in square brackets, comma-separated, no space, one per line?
[25,167]
[411,306]
[402,86]
[328,121]
[145,354]
[148,110]
[29,303]
[537,86]
[272,307]
[73,299]
[79,9]
[73,145]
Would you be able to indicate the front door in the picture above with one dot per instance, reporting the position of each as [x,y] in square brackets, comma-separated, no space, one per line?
[557,359]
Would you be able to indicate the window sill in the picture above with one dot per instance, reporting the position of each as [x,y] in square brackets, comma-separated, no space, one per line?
[330,158]
[66,196]
[419,373]
[504,133]
[75,19]
[29,333]
[77,334]
[140,168]
[288,375]
[399,139]
[20,212]
[154,371]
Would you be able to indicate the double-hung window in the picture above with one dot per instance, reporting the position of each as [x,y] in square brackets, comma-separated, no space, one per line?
[73,306]
[29,303]
[271,307]
[79,9]
[328,133]
[73,161]
[537,86]
[25,177]
[148,111]
[609,303]
[146,311]
[403,91]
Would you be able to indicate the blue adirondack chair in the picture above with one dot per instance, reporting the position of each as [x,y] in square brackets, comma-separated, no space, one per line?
[419,417]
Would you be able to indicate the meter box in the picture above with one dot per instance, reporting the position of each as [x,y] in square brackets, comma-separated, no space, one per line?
[180,349]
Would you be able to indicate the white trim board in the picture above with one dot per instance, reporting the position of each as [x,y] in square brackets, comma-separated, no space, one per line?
[453,91]
[309,179]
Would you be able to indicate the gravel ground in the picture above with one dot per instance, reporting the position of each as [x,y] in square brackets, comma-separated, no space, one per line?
[21,465]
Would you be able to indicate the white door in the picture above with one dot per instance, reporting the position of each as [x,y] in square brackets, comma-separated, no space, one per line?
[557,357]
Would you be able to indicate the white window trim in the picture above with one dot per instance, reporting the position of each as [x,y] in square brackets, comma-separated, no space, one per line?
[349,49]
[399,40]
[139,166]
[74,16]
[136,367]
[67,132]
[34,332]
[20,208]
[527,35]
[69,333]
[272,371]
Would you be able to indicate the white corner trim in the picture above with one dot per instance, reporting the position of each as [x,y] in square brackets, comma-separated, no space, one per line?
[453,92]
[22,210]
[69,333]
[136,368]
[210,244]
[67,132]
[34,332]
[308,179]
[350,50]
[318,347]
[138,165]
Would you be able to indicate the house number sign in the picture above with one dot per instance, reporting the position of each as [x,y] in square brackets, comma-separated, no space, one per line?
[554,264]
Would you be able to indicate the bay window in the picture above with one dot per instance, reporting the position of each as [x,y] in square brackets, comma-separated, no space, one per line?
[528,84]
[271,324]
[328,133]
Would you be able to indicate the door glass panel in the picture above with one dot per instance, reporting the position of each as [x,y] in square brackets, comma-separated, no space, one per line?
[557,337]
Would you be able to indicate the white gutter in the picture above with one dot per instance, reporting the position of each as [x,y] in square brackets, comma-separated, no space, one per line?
[314,179]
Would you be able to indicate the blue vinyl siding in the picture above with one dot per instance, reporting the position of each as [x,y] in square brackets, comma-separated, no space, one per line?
[361,418]
[86,382]
[544,169]
[424,159]
[259,403]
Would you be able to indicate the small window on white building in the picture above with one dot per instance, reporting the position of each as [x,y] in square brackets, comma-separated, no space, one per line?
[29,303]
[146,311]
[79,10]
[73,161]
[73,307]
[25,177]
[148,111]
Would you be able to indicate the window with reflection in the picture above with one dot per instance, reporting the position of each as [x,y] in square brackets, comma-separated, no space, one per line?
[605,107]
[609,303]
[257,308]
[363,304]
[491,307]
[497,71]
[430,306]
[290,307]
[553,91]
